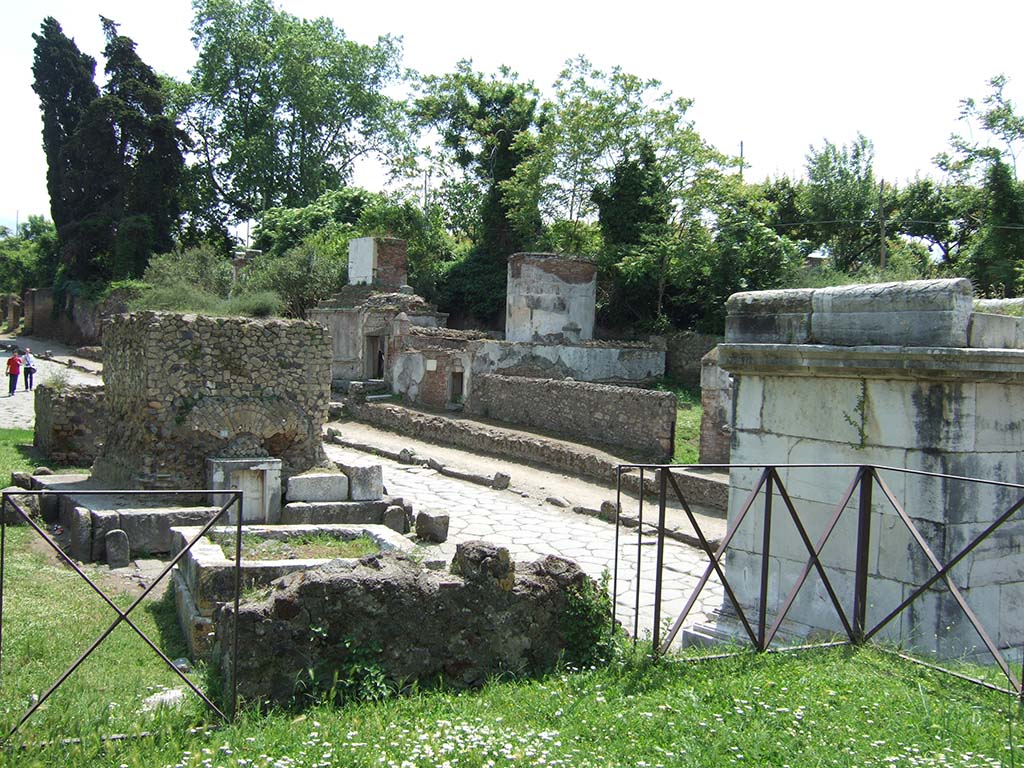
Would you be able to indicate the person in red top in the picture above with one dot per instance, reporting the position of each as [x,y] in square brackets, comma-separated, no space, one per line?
[13,370]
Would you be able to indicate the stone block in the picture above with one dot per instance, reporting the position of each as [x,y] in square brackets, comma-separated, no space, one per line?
[318,486]
[995,331]
[81,534]
[936,416]
[103,522]
[150,530]
[27,503]
[118,550]
[998,425]
[766,317]
[484,563]
[365,480]
[339,512]
[785,411]
[500,481]
[917,313]
[396,518]
[432,526]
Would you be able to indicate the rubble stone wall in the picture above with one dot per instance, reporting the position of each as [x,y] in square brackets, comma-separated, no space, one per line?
[183,388]
[489,615]
[638,419]
[69,423]
[683,354]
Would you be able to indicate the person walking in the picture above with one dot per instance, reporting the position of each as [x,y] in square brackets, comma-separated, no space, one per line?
[28,364]
[13,370]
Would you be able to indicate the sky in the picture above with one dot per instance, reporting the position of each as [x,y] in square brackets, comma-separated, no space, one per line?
[778,76]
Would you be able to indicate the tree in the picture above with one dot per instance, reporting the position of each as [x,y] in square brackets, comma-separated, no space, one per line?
[114,158]
[482,121]
[944,215]
[841,201]
[280,108]
[997,256]
[1000,133]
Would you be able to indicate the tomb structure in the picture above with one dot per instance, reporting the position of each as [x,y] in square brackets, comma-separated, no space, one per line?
[901,375]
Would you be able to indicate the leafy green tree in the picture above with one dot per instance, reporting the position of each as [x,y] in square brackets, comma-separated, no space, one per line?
[28,257]
[944,215]
[483,122]
[997,256]
[841,202]
[280,108]
[114,158]
[996,134]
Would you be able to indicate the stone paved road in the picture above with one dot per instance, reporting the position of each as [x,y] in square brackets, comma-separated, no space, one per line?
[19,411]
[531,529]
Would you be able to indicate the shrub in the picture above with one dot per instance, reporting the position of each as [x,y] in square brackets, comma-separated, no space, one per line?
[260,304]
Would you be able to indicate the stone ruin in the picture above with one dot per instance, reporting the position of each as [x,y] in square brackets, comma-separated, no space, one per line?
[180,389]
[484,617]
[904,375]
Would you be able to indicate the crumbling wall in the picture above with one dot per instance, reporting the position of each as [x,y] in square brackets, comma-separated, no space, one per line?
[683,355]
[716,415]
[486,617]
[637,419]
[550,298]
[601,362]
[182,388]
[69,423]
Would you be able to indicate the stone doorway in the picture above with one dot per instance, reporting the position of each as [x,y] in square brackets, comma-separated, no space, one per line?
[374,362]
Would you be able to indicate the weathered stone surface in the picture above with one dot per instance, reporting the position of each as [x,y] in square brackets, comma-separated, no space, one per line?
[81,533]
[28,503]
[119,553]
[103,522]
[432,526]
[22,479]
[996,331]
[427,625]
[182,388]
[640,420]
[318,486]
[558,501]
[70,422]
[500,481]
[484,563]
[396,518]
[340,512]
[42,471]
[365,480]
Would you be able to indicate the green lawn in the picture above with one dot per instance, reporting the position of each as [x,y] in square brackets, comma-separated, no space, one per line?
[688,413]
[837,707]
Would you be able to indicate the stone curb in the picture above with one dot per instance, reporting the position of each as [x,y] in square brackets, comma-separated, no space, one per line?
[404,457]
[630,521]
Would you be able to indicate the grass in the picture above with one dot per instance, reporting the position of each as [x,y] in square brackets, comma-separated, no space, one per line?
[688,415]
[320,545]
[835,707]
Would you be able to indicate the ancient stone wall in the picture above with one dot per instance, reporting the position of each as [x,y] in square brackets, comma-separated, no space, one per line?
[488,616]
[74,321]
[550,298]
[182,388]
[683,354]
[69,423]
[640,420]
[716,416]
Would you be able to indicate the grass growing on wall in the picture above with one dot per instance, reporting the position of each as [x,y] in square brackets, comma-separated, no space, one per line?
[688,415]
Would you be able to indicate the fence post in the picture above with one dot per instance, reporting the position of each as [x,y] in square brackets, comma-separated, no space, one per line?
[860,587]
[660,563]
[766,537]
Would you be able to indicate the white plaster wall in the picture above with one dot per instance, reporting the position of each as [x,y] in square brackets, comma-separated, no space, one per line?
[594,364]
[540,306]
[362,260]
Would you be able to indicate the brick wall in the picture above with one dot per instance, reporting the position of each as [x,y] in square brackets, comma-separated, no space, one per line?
[716,419]
[392,256]
[69,423]
[639,420]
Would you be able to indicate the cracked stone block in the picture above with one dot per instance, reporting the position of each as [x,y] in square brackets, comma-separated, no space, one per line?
[396,518]
[365,481]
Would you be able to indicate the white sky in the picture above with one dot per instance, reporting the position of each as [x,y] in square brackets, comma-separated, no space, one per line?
[778,76]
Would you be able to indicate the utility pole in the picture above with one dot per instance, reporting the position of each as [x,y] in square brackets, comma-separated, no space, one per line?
[741,161]
[881,217]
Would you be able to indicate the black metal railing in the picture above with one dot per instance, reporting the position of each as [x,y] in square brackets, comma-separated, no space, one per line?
[770,488]
[234,499]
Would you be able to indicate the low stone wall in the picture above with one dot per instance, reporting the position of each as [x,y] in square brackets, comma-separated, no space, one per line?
[487,616]
[640,420]
[683,354]
[598,362]
[184,388]
[69,423]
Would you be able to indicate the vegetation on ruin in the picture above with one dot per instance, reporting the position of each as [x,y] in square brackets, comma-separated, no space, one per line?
[603,164]
[688,415]
[840,707]
[312,545]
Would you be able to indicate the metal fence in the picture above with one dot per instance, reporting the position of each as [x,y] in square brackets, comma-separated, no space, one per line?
[234,499]
[763,500]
